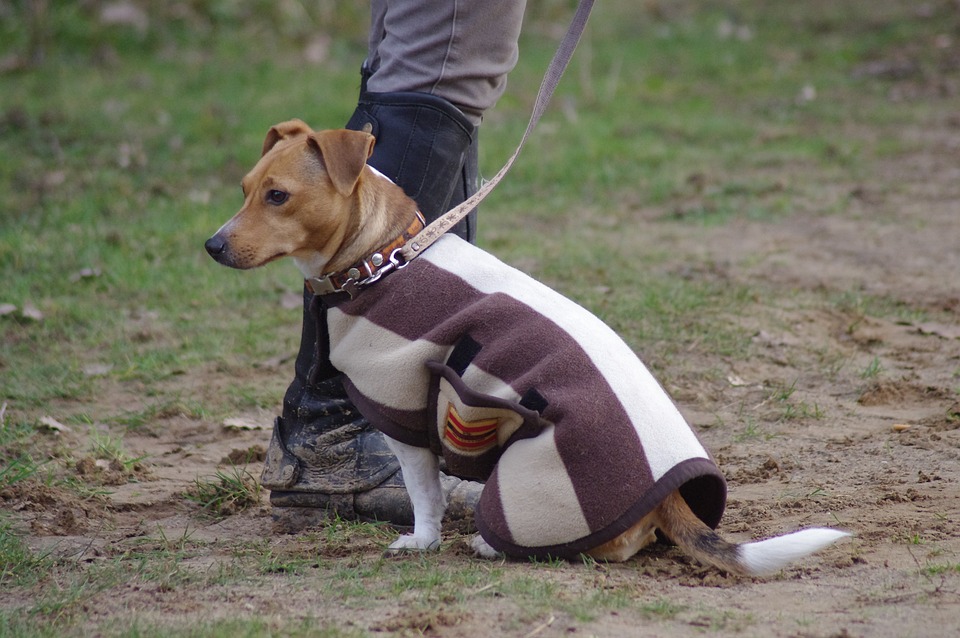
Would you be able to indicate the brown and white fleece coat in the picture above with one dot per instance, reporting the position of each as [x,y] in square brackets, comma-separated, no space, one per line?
[515,384]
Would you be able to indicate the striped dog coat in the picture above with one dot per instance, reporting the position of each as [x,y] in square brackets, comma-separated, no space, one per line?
[514,384]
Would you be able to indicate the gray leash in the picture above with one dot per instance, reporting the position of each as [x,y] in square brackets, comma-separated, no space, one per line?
[558,64]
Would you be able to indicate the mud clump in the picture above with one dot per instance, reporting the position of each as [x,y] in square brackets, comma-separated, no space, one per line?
[108,472]
[252,454]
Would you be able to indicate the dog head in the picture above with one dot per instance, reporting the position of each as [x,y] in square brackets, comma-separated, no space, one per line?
[300,200]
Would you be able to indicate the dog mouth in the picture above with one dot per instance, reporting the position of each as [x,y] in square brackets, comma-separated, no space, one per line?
[220,250]
[269,259]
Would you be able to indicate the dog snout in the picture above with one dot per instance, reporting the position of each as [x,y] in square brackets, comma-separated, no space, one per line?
[216,246]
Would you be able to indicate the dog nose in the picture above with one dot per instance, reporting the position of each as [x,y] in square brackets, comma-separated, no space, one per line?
[215,246]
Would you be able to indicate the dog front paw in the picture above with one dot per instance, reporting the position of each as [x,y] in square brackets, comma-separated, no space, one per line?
[412,542]
[483,549]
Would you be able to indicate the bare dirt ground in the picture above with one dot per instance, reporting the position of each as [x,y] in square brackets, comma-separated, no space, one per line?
[842,415]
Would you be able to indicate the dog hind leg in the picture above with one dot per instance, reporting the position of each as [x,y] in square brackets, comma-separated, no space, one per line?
[483,549]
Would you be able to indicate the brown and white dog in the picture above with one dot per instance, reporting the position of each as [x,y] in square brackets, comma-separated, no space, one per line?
[458,355]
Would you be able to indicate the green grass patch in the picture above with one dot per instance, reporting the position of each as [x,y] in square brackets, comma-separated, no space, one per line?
[16,462]
[944,569]
[227,492]
[19,566]
[249,628]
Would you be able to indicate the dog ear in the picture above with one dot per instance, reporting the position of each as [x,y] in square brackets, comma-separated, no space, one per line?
[284,131]
[344,154]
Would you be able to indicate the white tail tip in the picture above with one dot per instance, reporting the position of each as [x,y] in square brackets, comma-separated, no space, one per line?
[771,555]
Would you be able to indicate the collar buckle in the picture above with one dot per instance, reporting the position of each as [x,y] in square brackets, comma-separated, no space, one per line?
[368,270]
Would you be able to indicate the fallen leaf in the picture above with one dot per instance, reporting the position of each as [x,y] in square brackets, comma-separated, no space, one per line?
[54,179]
[291,300]
[274,362]
[199,197]
[31,312]
[735,381]
[7,309]
[244,423]
[86,273]
[125,14]
[52,424]
[807,94]
[11,63]
[317,50]
[97,369]
[900,427]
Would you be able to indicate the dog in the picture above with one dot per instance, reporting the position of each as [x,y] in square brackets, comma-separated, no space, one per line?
[457,355]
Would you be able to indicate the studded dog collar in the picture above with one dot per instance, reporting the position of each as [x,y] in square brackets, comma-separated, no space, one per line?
[369,269]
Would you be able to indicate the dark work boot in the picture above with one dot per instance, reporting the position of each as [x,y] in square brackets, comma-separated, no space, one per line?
[324,457]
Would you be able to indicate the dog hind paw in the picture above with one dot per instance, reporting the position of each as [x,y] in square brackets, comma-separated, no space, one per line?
[411,542]
[483,549]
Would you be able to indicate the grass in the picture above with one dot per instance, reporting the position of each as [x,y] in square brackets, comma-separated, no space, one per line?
[168,405]
[124,150]
[872,369]
[17,469]
[16,463]
[941,569]
[751,431]
[790,408]
[18,565]
[305,627]
[227,492]
[111,448]
[119,178]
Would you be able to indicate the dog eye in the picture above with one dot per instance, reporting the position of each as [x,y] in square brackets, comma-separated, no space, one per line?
[277,197]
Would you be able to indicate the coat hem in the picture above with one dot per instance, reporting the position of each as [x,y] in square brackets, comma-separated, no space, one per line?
[700,483]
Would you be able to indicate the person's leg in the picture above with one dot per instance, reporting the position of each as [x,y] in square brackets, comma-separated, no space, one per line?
[460,50]
[433,68]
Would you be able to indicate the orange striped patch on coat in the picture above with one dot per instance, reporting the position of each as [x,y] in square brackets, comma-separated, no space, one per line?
[469,437]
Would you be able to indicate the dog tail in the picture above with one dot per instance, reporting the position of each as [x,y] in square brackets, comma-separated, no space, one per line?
[760,558]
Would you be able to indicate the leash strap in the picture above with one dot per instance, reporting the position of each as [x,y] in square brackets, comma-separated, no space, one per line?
[555,70]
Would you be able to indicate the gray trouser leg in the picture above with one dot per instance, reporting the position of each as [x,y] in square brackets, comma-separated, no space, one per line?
[460,50]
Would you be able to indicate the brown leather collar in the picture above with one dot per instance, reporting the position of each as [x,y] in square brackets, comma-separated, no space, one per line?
[369,269]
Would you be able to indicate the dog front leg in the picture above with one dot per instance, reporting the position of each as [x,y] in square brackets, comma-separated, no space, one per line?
[421,475]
